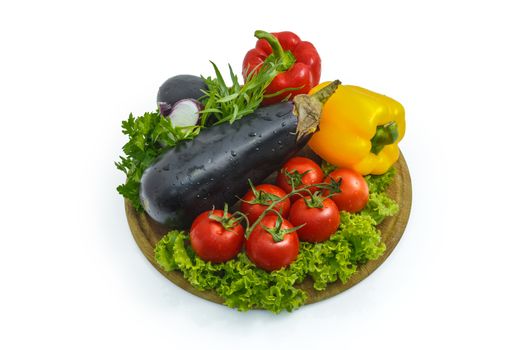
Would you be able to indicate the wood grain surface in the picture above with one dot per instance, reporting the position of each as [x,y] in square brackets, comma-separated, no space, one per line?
[147,233]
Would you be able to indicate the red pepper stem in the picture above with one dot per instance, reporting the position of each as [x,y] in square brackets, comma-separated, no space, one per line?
[286,58]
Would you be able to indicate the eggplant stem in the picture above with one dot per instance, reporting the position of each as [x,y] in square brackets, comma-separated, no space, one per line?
[324,94]
[308,110]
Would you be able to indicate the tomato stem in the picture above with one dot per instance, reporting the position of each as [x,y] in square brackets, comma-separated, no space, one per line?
[294,178]
[333,187]
[228,223]
[315,201]
[277,231]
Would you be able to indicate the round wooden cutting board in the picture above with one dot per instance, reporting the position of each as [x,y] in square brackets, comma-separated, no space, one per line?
[147,233]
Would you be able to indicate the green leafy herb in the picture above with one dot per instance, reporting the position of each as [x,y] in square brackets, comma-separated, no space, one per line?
[244,286]
[149,135]
[227,104]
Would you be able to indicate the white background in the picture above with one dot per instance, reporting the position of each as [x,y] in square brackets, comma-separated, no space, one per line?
[71,274]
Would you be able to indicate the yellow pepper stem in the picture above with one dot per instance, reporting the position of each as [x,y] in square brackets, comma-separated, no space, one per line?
[385,135]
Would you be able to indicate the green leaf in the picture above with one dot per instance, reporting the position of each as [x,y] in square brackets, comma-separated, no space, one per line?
[380,206]
[149,136]
[244,286]
[237,101]
[164,251]
[222,85]
[363,236]
[379,183]
[228,98]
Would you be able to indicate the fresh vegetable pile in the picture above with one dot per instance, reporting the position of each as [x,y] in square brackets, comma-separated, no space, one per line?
[245,286]
[200,165]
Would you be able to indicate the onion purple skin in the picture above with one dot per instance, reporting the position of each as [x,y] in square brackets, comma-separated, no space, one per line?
[181,117]
[164,108]
[178,88]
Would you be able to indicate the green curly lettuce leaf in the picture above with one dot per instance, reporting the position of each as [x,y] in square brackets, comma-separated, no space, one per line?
[328,261]
[365,239]
[244,286]
[165,250]
[380,206]
[379,183]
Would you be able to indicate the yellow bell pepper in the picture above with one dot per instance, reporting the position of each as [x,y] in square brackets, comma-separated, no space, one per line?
[359,129]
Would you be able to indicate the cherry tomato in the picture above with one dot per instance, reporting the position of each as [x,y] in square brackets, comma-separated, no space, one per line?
[320,222]
[260,200]
[265,252]
[354,190]
[214,242]
[302,171]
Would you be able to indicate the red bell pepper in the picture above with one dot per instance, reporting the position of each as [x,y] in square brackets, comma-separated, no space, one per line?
[298,62]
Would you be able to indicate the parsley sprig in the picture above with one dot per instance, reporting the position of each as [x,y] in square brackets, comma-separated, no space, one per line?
[149,135]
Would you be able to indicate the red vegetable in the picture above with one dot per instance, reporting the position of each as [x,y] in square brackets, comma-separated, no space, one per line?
[216,237]
[301,64]
[320,216]
[354,190]
[273,243]
[300,171]
[255,202]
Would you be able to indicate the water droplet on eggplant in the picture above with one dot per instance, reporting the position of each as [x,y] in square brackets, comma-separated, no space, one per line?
[252,134]
[233,153]
[279,142]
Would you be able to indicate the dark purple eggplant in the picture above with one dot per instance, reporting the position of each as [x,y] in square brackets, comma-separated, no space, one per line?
[178,88]
[214,168]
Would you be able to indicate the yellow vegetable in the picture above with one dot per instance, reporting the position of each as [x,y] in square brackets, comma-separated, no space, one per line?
[359,129]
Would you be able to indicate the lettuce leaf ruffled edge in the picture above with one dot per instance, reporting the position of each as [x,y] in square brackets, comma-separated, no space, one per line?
[243,286]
